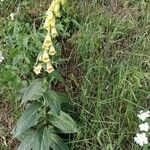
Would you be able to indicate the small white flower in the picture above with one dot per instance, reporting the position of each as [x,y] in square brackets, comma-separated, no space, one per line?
[12,16]
[2,0]
[141,139]
[143,115]
[144,127]
[1,57]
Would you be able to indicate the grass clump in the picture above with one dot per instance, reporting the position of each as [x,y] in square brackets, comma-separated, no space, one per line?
[113,49]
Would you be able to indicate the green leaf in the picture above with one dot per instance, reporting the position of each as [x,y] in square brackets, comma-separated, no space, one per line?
[28,119]
[35,140]
[56,75]
[53,101]
[63,122]
[33,92]
[56,143]
[64,98]
[8,75]
[40,140]
[27,143]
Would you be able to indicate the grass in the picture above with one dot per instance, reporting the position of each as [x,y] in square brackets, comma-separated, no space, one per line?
[112,48]
[107,72]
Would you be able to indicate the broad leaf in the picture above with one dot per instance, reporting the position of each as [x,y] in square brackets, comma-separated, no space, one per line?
[40,140]
[64,98]
[56,143]
[63,122]
[27,143]
[56,75]
[28,119]
[36,140]
[53,101]
[33,92]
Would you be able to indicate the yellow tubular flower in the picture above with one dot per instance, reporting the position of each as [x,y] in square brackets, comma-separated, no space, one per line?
[37,69]
[49,68]
[52,51]
[45,57]
[51,8]
[49,23]
[47,42]
[54,32]
[52,22]
[50,14]
[57,9]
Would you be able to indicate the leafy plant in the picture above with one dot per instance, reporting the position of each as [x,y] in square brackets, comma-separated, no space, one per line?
[43,119]
[43,122]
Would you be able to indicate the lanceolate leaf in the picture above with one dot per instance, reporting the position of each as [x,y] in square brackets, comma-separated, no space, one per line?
[40,140]
[56,75]
[63,122]
[64,98]
[27,143]
[56,143]
[28,119]
[53,101]
[33,92]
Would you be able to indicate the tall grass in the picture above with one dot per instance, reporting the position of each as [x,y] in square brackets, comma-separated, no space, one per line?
[112,47]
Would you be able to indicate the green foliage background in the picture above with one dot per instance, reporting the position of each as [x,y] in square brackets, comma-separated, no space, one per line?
[105,65]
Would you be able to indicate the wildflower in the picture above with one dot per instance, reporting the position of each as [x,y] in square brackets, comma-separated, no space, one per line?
[2,0]
[47,42]
[57,9]
[49,23]
[54,32]
[143,115]
[45,57]
[1,57]
[144,127]
[141,139]
[12,16]
[51,8]
[37,69]
[52,50]
[49,67]
[50,14]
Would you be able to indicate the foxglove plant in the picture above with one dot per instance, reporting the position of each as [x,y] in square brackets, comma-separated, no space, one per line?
[43,120]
